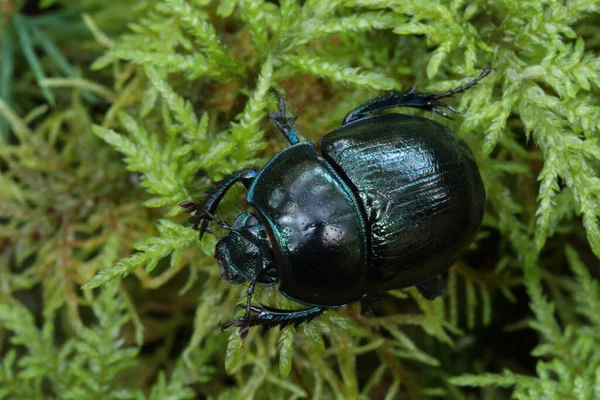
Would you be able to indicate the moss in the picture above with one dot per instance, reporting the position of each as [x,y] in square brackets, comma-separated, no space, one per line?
[111,119]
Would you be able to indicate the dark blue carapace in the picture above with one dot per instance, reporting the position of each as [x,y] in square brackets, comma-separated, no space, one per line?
[389,201]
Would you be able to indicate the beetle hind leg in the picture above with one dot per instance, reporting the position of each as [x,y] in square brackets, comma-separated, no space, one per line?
[268,317]
[412,98]
[283,122]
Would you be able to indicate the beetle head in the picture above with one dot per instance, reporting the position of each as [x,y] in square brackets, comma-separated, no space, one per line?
[245,252]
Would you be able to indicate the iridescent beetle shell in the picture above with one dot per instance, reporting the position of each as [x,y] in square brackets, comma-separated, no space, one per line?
[389,201]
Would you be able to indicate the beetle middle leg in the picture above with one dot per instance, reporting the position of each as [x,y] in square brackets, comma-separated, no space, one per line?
[411,98]
[370,305]
[205,208]
[268,317]
[434,287]
[283,122]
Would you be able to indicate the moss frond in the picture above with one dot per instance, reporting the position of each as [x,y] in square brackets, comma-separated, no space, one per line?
[106,292]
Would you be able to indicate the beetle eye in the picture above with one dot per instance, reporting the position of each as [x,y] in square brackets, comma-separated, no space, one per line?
[252,221]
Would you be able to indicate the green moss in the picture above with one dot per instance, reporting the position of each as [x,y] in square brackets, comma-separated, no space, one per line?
[112,119]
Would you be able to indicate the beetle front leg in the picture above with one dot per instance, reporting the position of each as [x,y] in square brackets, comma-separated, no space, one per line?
[268,317]
[411,98]
[283,122]
[206,208]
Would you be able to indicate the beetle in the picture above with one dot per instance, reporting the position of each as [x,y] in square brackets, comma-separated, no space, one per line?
[389,201]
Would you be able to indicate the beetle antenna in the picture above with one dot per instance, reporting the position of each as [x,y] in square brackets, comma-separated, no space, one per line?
[202,215]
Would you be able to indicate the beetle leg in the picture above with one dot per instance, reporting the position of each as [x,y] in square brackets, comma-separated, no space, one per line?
[205,208]
[370,305]
[268,317]
[434,287]
[283,123]
[250,291]
[411,98]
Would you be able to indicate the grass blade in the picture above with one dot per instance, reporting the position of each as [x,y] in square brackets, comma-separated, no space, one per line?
[6,72]
[21,27]
[60,60]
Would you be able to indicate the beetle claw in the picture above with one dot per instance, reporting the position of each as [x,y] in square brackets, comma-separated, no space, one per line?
[242,324]
[225,325]
[199,223]
[445,105]
[201,219]
[238,323]
[440,112]
[243,331]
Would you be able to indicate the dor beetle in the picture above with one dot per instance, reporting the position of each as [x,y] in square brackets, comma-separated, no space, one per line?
[389,201]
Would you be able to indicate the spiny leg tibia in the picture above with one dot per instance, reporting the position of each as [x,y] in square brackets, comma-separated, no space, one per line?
[268,317]
[412,98]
